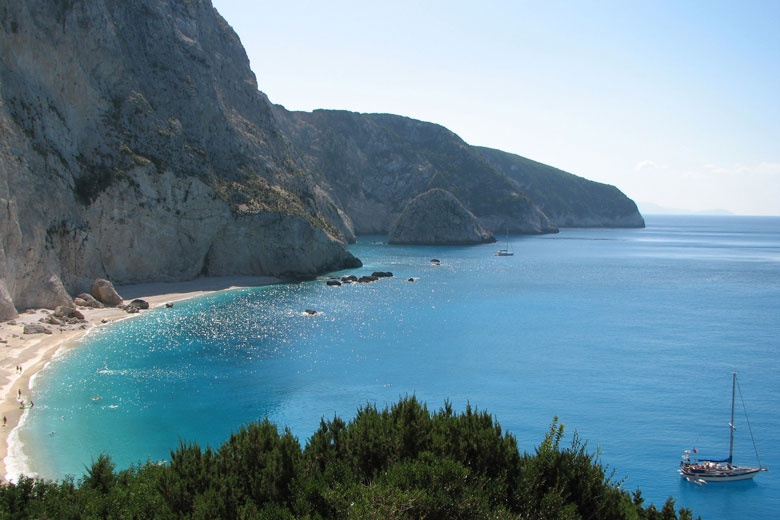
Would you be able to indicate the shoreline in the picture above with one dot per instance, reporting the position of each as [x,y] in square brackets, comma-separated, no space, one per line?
[34,351]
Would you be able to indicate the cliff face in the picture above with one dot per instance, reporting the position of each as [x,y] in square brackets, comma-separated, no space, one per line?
[373,164]
[569,200]
[135,145]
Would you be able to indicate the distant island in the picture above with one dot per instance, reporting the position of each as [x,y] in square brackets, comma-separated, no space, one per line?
[139,162]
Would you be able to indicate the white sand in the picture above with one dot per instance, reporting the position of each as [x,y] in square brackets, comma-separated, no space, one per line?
[33,351]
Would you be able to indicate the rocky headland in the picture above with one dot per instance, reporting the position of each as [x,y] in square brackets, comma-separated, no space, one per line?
[136,146]
[569,200]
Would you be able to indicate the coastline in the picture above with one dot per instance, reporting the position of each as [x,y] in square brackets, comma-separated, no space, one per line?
[34,351]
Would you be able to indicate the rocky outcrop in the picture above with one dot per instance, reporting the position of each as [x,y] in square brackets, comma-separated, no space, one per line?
[437,217]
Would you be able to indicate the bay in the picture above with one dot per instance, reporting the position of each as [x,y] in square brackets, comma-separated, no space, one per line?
[628,336]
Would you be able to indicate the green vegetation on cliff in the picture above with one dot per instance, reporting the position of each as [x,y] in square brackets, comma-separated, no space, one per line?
[398,463]
[569,200]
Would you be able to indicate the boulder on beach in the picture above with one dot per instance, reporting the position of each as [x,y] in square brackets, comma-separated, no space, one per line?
[89,301]
[104,292]
[36,328]
[52,320]
[141,304]
[65,311]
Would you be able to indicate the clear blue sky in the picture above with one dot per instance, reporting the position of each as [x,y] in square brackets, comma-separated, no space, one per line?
[676,103]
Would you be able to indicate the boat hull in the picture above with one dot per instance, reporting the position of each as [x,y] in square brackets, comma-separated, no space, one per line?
[723,475]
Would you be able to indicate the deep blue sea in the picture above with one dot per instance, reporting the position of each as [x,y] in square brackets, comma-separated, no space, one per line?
[628,336]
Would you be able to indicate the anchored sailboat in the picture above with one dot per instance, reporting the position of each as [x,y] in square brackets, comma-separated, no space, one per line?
[506,251]
[701,471]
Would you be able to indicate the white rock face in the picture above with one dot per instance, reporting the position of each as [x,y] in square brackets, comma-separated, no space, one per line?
[135,162]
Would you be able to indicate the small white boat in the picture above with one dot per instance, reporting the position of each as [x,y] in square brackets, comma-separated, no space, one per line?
[701,471]
[506,251]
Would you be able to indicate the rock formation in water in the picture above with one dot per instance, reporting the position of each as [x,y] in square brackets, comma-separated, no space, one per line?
[135,146]
[437,217]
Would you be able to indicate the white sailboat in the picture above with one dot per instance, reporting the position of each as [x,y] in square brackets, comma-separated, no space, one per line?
[506,251]
[701,471]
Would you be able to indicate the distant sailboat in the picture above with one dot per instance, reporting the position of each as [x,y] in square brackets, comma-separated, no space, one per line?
[701,471]
[506,251]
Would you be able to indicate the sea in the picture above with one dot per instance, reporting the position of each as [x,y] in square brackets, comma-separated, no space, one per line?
[628,336]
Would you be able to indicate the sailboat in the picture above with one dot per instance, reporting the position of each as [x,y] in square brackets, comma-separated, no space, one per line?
[505,251]
[701,471]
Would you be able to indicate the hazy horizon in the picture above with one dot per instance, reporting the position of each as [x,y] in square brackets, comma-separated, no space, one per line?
[674,103]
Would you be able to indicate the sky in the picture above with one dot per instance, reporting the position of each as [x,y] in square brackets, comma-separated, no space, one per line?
[677,103]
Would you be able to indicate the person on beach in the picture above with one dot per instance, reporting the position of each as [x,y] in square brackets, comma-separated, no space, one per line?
[18,394]
[5,420]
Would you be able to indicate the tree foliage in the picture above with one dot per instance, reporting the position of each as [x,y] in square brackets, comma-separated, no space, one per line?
[401,462]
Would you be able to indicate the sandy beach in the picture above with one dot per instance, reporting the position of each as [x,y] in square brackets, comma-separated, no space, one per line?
[31,352]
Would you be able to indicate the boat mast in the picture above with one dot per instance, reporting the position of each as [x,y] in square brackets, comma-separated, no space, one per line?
[731,424]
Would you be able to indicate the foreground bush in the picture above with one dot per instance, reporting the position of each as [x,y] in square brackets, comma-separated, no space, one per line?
[399,463]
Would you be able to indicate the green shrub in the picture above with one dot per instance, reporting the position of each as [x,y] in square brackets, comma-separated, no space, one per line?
[402,462]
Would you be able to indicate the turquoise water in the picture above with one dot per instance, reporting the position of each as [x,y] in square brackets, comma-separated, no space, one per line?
[629,336]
